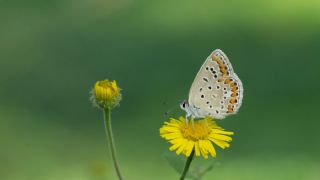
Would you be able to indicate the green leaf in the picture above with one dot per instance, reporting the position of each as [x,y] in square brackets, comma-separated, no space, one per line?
[198,171]
[177,162]
[198,168]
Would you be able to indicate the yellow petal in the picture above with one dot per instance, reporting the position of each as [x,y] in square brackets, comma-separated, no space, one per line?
[221,137]
[170,129]
[181,148]
[177,141]
[172,123]
[189,148]
[218,131]
[221,144]
[177,144]
[203,149]
[196,148]
[170,136]
[114,86]
[210,148]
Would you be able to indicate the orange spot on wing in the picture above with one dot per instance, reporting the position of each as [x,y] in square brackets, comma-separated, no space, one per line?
[222,67]
[214,58]
[230,110]
[227,81]
[233,100]
[224,71]
[234,88]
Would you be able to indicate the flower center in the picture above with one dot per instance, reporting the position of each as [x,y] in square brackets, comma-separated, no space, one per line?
[197,132]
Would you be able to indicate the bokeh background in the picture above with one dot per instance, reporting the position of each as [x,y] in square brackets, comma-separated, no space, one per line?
[52,52]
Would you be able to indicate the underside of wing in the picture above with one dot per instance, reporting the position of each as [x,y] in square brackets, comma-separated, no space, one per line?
[216,90]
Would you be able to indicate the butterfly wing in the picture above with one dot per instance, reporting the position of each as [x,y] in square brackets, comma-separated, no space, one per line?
[216,90]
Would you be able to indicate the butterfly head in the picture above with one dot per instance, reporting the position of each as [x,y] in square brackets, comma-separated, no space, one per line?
[184,105]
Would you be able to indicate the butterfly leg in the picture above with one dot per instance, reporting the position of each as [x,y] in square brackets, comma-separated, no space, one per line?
[192,121]
[187,120]
[207,124]
[188,115]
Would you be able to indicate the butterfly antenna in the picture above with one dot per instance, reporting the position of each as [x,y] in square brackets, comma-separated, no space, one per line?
[166,114]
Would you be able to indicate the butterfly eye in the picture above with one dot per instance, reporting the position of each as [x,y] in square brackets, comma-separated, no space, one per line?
[185,104]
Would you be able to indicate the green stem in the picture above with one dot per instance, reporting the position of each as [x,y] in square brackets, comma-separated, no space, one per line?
[186,167]
[108,129]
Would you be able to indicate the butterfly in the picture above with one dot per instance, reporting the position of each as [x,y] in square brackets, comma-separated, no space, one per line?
[216,90]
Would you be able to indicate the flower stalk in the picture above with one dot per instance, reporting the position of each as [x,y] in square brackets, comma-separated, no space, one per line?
[109,134]
[106,95]
[187,166]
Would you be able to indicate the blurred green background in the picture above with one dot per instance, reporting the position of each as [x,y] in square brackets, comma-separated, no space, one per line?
[52,52]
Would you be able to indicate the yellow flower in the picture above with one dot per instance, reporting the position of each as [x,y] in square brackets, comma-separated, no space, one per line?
[106,94]
[199,136]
